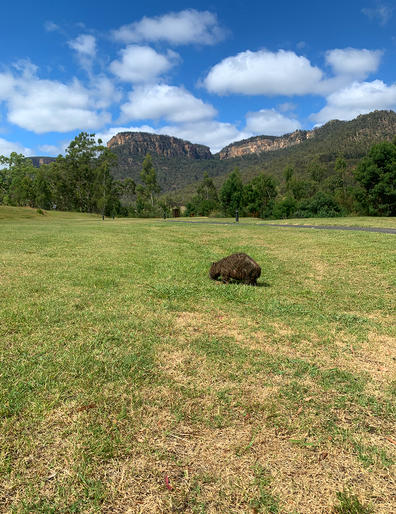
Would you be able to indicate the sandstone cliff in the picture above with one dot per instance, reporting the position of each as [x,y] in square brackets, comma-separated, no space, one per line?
[141,143]
[38,161]
[258,144]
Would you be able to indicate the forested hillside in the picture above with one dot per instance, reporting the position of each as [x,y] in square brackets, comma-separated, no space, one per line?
[351,138]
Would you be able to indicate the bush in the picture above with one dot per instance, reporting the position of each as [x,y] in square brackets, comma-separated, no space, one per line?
[284,209]
[39,211]
[319,206]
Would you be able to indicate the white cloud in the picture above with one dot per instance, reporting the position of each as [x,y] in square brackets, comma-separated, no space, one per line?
[177,28]
[172,103]
[214,134]
[84,44]
[7,85]
[357,98]
[355,63]
[45,105]
[103,93]
[142,64]
[270,122]
[383,12]
[7,147]
[264,73]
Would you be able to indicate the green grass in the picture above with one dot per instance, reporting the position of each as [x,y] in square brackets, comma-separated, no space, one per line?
[348,221]
[122,363]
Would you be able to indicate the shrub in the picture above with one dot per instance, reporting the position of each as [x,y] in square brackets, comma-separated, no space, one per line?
[319,206]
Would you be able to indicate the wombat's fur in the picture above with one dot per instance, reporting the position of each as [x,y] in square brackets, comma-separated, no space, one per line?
[238,266]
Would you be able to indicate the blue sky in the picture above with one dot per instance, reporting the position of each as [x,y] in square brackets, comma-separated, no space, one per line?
[210,73]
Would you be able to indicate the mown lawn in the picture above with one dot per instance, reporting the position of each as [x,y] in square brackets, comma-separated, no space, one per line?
[132,383]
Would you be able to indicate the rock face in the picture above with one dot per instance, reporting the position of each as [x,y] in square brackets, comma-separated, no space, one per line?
[260,144]
[38,161]
[141,143]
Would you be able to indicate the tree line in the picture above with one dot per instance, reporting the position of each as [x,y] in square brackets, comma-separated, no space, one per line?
[82,180]
[369,189]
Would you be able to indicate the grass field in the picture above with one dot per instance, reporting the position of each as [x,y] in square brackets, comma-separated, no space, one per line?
[348,221]
[132,383]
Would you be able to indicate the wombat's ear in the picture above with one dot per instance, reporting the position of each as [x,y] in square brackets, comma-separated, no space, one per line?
[213,263]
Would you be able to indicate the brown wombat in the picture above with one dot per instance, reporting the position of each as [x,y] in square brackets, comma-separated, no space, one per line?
[238,266]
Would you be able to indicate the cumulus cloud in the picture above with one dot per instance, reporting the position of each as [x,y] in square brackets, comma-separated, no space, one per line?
[103,92]
[356,63]
[142,63]
[177,28]
[264,73]
[383,13]
[286,73]
[357,98]
[7,147]
[271,122]
[45,105]
[172,103]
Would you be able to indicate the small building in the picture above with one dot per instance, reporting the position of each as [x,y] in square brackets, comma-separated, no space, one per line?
[176,212]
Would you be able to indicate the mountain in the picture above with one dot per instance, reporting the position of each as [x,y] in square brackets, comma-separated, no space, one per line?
[259,144]
[180,164]
[38,161]
[141,143]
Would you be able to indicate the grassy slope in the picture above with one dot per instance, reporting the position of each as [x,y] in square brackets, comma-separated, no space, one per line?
[8,214]
[122,363]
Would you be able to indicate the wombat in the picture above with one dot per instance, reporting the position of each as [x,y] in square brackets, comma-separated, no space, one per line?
[238,266]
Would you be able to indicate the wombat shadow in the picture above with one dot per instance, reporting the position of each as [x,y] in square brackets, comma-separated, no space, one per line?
[233,282]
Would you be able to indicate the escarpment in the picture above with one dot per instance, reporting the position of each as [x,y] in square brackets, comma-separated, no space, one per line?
[258,144]
[142,143]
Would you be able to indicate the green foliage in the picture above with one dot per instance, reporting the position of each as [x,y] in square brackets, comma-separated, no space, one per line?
[231,193]
[260,194]
[319,206]
[316,171]
[149,178]
[17,181]
[284,208]
[207,190]
[81,180]
[205,201]
[377,176]
[288,174]
[302,188]
[265,502]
